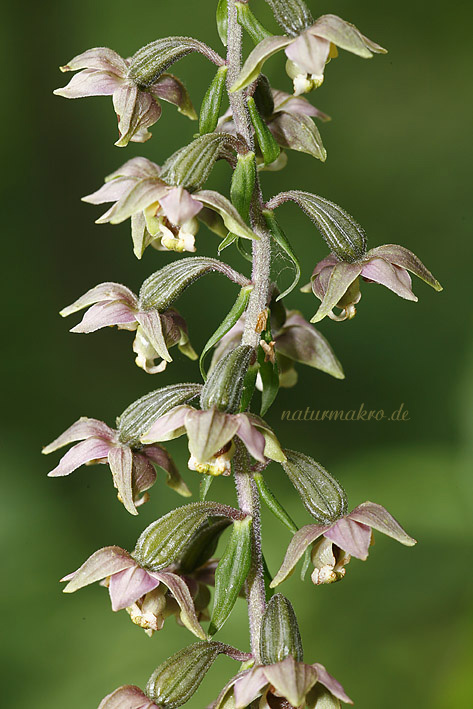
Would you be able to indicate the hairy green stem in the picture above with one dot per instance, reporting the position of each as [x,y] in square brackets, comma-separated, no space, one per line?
[249,503]
[248,496]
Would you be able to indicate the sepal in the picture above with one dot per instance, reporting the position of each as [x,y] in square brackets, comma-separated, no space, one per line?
[280,635]
[298,132]
[322,496]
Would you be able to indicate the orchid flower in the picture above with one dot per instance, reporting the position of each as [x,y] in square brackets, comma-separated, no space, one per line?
[142,592]
[211,435]
[296,682]
[112,304]
[336,283]
[103,72]
[132,467]
[334,544]
[308,52]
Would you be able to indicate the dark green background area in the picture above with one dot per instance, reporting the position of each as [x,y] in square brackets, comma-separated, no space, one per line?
[398,630]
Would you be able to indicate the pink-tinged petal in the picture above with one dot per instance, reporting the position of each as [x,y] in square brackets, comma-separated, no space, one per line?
[106,315]
[405,259]
[296,104]
[102,292]
[79,431]
[135,167]
[320,282]
[377,517]
[120,460]
[299,543]
[161,457]
[90,83]
[301,342]
[136,112]
[345,35]
[343,275]
[104,562]
[98,58]
[231,217]
[129,585]
[167,427]
[143,476]
[170,88]
[144,193]
[351,536]
[151,327]
[208,432]
[291,679]
[249,686]
[382,272]
[127,697]
[179,206]
[111,191]
[330,260]
[331,683]
[309,53]
[253,439]
[80,454]
[181,593]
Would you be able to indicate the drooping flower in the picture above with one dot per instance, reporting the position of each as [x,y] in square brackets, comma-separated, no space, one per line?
[148,596]
[308,51]
[294,340]
[103,72]
[127,697]
[132,468]
[112,304]
[336,283]
[162,214]
[298,683]
[211,433]
[334,544]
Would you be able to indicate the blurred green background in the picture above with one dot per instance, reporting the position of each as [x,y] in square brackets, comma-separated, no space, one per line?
[398,630]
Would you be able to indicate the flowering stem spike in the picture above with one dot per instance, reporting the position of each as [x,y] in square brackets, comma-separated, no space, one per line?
[173,568]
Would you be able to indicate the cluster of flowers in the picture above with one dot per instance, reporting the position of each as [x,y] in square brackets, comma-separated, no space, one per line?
[172,570]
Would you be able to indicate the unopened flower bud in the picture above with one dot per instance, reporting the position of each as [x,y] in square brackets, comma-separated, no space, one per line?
[173,683]
[224,387]
[322,496]
[280,636]
[293,15]
[167,540]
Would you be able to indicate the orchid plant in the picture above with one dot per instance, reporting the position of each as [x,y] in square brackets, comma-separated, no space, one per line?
[172,570]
